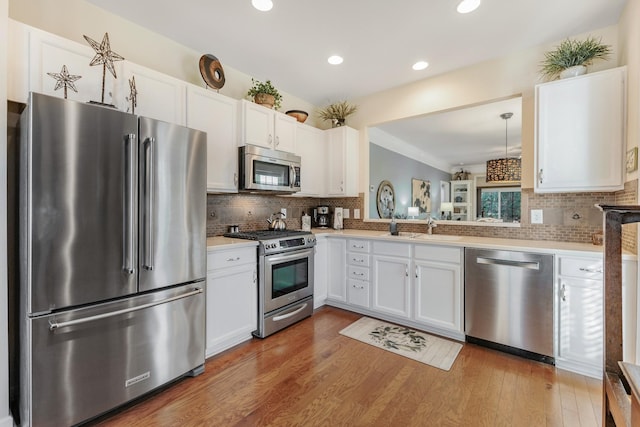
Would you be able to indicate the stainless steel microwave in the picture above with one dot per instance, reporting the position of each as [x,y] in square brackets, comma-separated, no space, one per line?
[264,170]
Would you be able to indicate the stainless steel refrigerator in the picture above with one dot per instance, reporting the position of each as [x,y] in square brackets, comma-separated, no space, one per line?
[112,258]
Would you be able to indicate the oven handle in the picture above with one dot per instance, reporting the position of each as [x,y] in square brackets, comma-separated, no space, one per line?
[293,313]
[288,256]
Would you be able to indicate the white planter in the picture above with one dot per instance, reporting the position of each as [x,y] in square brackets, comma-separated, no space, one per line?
[576,70]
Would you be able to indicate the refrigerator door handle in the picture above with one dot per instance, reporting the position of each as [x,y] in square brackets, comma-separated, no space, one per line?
[149,214]
[53,325]
[130,194]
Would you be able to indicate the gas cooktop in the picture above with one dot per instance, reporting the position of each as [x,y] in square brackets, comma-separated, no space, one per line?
[277,241]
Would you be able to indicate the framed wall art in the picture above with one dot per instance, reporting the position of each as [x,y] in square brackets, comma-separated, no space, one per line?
[421,194]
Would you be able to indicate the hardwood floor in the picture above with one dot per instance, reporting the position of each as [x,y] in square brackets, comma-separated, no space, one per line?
[309,375]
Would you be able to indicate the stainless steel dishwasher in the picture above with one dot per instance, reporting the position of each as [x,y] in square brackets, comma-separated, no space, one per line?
[509,301]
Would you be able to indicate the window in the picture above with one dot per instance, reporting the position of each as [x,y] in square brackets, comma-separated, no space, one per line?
[500,202]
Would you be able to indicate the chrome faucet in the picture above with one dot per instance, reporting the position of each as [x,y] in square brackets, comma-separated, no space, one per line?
[430,224]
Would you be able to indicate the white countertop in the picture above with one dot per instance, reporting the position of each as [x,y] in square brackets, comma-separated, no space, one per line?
[221,242]
[541,246]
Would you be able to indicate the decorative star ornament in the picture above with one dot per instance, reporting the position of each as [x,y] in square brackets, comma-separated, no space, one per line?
[65,80]
[104,56]
[133,94]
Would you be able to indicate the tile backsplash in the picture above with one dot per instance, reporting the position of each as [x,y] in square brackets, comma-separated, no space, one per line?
[569,217]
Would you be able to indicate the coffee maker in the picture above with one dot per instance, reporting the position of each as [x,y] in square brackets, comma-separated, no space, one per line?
[321,217]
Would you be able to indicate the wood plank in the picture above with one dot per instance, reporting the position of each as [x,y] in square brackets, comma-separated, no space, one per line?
[310,375]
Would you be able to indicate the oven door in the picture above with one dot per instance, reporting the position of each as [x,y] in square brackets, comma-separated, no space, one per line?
[288,277]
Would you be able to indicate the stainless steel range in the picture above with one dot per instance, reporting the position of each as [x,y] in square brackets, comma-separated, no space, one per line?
[285,277]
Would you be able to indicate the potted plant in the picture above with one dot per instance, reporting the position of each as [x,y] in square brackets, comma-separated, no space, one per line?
[571,57]
[265,94]
[337,112]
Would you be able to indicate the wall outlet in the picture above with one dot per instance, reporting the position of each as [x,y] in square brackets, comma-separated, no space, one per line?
[283,211]
[536,216]
[356,213]
[345,213]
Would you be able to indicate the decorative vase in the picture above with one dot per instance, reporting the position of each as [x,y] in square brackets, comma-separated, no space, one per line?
[336,123]
[264,99]
[576,70]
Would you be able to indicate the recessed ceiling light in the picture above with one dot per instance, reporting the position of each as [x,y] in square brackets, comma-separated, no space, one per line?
[335,60]
[420,65]
[262,5]
[466,6]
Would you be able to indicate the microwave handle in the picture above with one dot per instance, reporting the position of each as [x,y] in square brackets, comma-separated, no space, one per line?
[292,175]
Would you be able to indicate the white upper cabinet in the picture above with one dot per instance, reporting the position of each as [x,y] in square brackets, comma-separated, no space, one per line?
[159,97]
[267,128]
[34,53]
[310,146]
[216,114]
[580,133]
[342,161]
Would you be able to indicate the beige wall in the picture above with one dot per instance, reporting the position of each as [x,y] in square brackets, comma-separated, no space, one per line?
[72,19]
[516,74]
[629,47]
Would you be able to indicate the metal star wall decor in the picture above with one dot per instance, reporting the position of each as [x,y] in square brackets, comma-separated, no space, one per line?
[65,80]
[105,57]
[133,94]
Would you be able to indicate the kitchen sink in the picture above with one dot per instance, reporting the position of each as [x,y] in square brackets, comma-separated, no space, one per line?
[402,234]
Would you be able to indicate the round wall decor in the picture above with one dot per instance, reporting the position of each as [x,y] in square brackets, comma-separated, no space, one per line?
[386,200]
[211,71]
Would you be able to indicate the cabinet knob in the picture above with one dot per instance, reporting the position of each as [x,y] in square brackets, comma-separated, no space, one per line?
[540,176]
[563,293]
[270,139]
[277,141]
[235,178]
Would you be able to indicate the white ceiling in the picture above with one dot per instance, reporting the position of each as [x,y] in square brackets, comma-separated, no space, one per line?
[466,136]
[379,40]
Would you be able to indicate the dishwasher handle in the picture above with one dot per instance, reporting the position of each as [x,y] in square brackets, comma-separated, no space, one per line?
[531,265]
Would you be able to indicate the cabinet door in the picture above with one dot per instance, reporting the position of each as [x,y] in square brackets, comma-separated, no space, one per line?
[257,125]
[232,307]
[320,273]
[580,328]
[159,96]
[310,146]
[342,161]
[582,119]
[391,291]
[438,297]
[336,269]
[49,53]
[216,114]
[285,132]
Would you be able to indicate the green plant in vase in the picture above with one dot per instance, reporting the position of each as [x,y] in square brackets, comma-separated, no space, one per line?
[571,57]
[337,112]
[265,94]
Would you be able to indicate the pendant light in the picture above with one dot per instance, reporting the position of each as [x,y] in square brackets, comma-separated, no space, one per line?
[506,170]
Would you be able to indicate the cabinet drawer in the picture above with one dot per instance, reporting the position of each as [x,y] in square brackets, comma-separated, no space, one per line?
[356,245]
[438,253]
[231,257]
[360,273]
[392,249]
[586,268]
[357,259]
[358,293]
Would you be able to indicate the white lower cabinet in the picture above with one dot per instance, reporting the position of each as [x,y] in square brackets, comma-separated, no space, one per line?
[579,310]
[320,272]
[358,273]
[336,270]
[232,296]
[391,283]
[580,333]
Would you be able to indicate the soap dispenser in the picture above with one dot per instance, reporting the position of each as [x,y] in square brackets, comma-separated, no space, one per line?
[393,227]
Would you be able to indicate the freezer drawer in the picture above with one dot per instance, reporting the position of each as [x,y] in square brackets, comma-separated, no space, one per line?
[85,362]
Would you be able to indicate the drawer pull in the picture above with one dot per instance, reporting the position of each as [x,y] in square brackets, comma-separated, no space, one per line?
[233,259]
[591,270]
[357,247]
[358,287]
[358,274]
[358,260]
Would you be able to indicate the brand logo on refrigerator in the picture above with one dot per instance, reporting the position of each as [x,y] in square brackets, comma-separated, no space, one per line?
[136,380]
